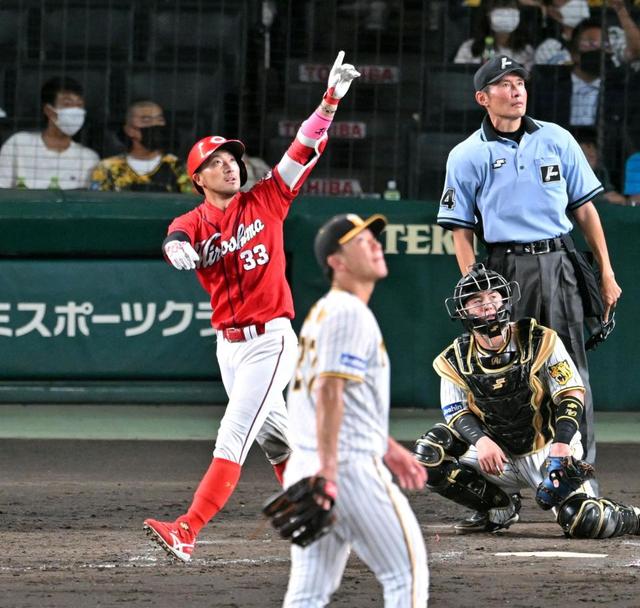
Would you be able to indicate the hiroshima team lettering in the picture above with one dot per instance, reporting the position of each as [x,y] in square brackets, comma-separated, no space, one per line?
[211,251]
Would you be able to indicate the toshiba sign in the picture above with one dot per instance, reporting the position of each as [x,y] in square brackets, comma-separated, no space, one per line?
[371,74]
[340,129]
[332,187]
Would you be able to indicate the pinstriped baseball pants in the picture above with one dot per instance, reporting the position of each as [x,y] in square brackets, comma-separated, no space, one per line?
[523,471]
[374,518]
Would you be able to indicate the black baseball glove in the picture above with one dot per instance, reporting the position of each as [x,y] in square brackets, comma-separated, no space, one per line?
[564,475]
[303,512]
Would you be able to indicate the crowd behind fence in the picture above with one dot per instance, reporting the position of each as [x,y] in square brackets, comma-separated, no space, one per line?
[254,69]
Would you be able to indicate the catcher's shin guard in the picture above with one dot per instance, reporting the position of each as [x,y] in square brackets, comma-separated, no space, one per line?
[464,485]
[438,450]
[582,516]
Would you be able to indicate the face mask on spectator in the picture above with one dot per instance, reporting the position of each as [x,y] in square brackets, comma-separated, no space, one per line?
[590,62]
[70,120]
[504,20]
[154,138]
[574,11]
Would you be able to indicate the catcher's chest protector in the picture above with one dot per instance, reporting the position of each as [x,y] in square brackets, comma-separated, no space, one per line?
[516,415]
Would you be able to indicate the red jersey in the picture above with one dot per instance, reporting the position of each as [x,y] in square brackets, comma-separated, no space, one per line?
[242,261]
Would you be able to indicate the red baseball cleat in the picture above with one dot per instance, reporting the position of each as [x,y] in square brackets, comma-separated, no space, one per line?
[175,537]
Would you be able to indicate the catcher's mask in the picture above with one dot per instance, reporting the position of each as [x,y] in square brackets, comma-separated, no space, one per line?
[477,280]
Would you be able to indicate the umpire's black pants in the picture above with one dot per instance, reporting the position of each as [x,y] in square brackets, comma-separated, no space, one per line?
[550,295]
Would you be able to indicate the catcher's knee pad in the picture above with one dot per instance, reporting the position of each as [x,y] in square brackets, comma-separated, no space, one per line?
[437,449]
[582,516]
[438,443]
[464,485]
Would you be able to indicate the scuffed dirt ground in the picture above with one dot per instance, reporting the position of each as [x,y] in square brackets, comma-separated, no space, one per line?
[72,512]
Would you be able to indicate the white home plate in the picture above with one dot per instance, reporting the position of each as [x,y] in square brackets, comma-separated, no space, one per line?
[550,554]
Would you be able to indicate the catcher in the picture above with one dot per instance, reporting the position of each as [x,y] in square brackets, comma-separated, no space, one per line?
[512,400]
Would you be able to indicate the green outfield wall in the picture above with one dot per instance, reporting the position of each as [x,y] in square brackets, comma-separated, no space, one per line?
[89,312]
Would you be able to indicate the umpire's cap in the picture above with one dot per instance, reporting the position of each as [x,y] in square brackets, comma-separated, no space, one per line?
[204,148]
[495,69]
[340,229]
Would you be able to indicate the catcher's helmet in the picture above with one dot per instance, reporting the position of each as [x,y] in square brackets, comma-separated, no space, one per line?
[204,148]
[476,280]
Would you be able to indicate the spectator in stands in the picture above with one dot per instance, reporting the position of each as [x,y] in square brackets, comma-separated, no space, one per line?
[571,95]
[587,137]
[50,158]
[632,179]
[566,15]
[499,31]
[146,166]
[256,170]
[573,99]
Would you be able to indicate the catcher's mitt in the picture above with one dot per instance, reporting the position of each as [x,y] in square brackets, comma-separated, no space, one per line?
[303,512]
[564,476]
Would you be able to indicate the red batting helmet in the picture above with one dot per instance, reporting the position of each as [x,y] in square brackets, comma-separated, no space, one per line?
[204,148]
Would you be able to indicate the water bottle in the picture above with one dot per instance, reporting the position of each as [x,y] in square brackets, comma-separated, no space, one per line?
[489,49]
[391,193]
[54,184]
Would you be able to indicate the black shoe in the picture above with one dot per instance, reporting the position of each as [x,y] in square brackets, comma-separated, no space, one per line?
[491,527]
[476,522]
[479,521]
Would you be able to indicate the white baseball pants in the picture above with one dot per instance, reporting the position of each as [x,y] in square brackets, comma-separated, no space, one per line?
[255,373]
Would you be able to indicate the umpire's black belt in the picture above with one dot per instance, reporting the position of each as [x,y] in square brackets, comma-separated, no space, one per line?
[535,248]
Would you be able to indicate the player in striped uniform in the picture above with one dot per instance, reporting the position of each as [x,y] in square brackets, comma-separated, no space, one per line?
[234,242]
[339,409]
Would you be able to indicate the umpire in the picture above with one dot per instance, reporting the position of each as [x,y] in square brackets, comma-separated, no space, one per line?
[514,182]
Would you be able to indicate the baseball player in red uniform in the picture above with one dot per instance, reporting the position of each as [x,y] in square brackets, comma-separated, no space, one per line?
[234,242]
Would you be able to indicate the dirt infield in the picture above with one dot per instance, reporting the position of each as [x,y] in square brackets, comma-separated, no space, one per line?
[72,511]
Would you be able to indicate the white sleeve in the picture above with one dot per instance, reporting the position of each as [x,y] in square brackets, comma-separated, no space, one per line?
[453,399]
[7,156]
[549,52]
[89,163]
[559,373]
[464,53]
[344,344]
